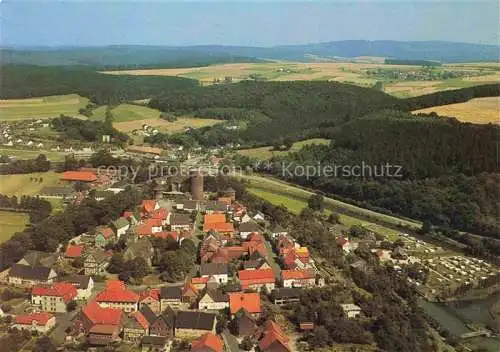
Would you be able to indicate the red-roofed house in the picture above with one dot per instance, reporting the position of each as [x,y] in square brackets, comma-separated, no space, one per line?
[151,298]
[73,251]
[252,247]
[41,322]
[116,295]
[219,227]
[53,298]
[199,282]
[207,343]
[148,206]
[298,278]
[214,218]
[174,235]
[104,235]
[273,340]
[161,214]
[296,258]
[256,279]
[149,227]
[250,302]
[135,327]
[79,176]
[93,314]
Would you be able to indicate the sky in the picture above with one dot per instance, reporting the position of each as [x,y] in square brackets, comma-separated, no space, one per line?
[250,23]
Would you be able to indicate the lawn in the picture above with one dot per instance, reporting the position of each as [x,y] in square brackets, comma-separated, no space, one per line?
[265,153]
[10,223]
[479,110]
[43,107]
[23,185]
[126,112]
[31,154]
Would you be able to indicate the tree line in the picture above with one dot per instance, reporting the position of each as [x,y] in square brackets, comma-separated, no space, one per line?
[37,208]
[39,164]
[86,130]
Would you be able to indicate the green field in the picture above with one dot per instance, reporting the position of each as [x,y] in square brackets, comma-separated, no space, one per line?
[31,154]
[10,223]
[22,185]
[265,153]
[278,192]
[126,112]
[44,107]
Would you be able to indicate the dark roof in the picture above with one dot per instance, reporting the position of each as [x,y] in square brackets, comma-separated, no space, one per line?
[80,281]
[216,206]
[148,313]
[249,227]
[191,204]
[40,273]
[98,254]
[253,263]
[168,316]
[285,292]
[255,256]
[214,268]
[232,287]
[35,258]
[57,190]
[120,222]
[195,320]
[154,340]
[181,219]
[217,295]
[172,292]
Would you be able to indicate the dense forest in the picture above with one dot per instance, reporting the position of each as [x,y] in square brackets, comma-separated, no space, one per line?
[102,89]
[39,164]
[86,130]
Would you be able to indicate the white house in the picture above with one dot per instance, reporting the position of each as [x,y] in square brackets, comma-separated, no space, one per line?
[298,278]
[213,299]
[42,322]
[219,271]
[84,285]
[351,310]
[259,216]
[246,218]
[121,225]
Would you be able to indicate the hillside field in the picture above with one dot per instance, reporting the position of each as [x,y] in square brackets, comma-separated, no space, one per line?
[346,72]
[43,107]
[22,185]
[126,112]
[10,223]
[266,153]
[479,110]
[165,126]
[32,154]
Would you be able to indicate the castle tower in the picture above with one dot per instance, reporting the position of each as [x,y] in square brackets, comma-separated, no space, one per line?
[196,185]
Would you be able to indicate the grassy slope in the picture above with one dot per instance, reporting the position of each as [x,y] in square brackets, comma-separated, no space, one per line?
[126,112]
[21,185]
[31,154]
[264,153]
[278,187]
[44,107]
[10,223]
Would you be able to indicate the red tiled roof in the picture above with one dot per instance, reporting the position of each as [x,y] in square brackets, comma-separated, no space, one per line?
[262,274]
[103,329]
[273,334]
[85,176]
[116,292]
[98,315]
[235,251]
[153,222]
[141,319]
[41,318]
[214,218]
[73,251]
[128,213]
[148,205]
[342,241]
[255,237]
[207,342]
[297,274]
[65,290]
[252,247]
[107,232]
[218,227]
[248,301]
[151,292]
[167,234]
[199,280]
[161,214]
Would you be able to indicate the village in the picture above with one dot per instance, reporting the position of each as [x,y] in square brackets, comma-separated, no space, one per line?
[242,260]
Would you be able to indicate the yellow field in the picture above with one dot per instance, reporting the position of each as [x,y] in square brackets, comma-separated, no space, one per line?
[347,72]
[164,126]
[479,110]
[265,153]
[22,185]
[10,223]
[43,107]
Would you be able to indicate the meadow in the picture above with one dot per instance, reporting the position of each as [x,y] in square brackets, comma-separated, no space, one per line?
[32,154]
[266,153]
[23,185]
[43,107]
[10,223]
[165,126]
[479,110]
[346,72]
